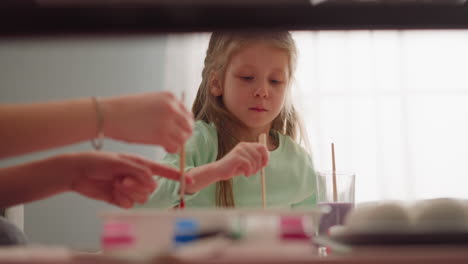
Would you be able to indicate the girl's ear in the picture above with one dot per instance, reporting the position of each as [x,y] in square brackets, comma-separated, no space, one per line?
[215,85]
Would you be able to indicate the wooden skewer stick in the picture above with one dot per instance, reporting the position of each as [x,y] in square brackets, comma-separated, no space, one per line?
[335,191]
[182,169]
[182,178]
[262,140]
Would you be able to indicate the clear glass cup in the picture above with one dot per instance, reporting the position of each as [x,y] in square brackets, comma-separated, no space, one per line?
[340,204]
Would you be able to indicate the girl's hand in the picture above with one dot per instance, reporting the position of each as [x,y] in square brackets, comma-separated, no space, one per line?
[151,118]
[245,158]
[119,179]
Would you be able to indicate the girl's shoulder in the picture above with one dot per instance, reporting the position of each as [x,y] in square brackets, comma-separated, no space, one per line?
[205,125]
[202,146]
[204,129]
[204,133]
[292,153]
[289,147]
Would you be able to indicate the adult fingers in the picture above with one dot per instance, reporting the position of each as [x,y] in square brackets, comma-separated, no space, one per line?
[184,122]
[140,172]
[187,117]
[133,190]
[188,113]
[178,117]
[131,185]
[121,199]
[178,138]
[171,146]
[99,190]
[160,169]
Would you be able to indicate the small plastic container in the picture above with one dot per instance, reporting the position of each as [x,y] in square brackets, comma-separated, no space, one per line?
[294,228]
[275,229]
[186,230]
[117,237]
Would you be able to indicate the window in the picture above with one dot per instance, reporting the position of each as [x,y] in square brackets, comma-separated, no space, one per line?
[395,103]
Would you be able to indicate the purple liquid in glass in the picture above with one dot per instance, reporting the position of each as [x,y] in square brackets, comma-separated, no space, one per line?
[335,217]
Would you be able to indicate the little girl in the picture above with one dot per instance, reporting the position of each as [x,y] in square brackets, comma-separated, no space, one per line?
[245,91]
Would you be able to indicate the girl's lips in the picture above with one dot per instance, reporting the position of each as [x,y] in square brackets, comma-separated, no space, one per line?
[258,109]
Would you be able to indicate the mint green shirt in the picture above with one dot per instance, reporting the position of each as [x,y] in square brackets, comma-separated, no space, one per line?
[289,176]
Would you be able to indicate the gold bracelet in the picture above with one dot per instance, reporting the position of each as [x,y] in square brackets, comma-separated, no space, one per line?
[98,141]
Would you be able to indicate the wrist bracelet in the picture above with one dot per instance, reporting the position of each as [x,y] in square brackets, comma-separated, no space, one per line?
[98,141]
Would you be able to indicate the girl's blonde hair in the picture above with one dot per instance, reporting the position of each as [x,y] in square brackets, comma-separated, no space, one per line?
[210,108]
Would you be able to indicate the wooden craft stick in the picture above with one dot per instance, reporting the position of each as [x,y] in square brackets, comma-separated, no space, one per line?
[262,140]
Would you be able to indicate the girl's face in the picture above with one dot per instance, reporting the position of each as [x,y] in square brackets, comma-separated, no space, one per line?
[255,84]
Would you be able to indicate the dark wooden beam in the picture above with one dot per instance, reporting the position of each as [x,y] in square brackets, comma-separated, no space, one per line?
[26,17]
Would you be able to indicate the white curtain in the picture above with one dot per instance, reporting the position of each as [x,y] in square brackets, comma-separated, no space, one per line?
[395,103]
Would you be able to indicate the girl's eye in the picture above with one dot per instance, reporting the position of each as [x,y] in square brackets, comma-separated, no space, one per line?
[276,81]
[247,78]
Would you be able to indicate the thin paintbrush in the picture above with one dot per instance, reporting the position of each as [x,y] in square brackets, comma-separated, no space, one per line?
[182,169]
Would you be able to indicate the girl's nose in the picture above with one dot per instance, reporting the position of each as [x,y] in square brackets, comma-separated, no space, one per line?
[262,90]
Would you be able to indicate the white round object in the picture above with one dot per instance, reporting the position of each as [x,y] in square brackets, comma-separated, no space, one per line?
[441,214]
[379,218]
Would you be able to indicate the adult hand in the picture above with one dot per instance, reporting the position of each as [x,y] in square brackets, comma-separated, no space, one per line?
[149,118]
[119,179]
